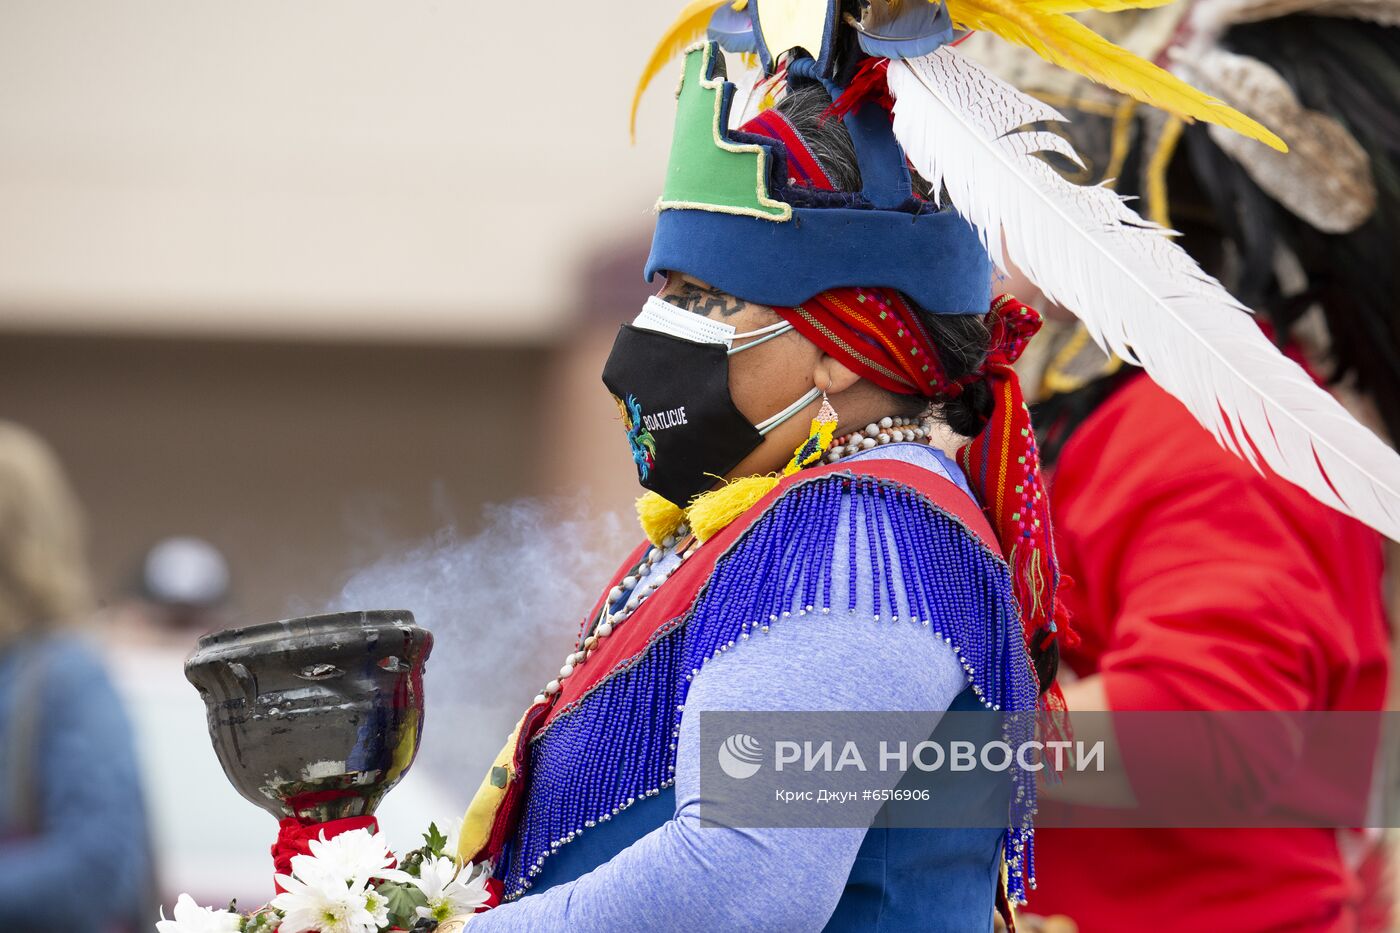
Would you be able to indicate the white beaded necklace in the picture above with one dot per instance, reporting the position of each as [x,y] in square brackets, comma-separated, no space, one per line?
[885,431]
[660,561]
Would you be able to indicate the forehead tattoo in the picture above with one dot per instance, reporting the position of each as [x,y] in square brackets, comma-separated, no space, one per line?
[700,300]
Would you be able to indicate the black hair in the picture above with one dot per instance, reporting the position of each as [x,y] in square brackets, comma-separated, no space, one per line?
[962,341]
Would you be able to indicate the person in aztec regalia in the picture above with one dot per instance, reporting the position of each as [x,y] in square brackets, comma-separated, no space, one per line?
[1202,584]
[844,506]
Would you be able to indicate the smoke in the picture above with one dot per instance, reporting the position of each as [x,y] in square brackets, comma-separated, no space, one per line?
[504,606]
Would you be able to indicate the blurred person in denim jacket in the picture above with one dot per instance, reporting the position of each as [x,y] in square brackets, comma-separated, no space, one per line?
[73,843]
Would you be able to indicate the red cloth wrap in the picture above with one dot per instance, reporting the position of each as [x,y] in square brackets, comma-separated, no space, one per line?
[1002,464]
[495,890]
[294,838]
[875,333]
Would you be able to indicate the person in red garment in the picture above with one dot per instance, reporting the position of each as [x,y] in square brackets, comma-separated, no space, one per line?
[1201,584]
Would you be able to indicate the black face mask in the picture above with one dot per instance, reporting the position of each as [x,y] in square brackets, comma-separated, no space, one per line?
[681,421]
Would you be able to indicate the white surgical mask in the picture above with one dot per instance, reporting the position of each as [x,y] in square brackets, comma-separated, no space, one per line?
[663,317]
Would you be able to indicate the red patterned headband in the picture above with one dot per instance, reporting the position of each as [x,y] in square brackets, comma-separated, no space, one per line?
[876,334]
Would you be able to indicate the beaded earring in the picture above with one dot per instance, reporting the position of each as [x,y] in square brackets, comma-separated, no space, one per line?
[818,439]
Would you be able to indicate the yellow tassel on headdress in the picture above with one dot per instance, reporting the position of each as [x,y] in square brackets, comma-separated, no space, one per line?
[659,517]
[1063,40]
[1046,28]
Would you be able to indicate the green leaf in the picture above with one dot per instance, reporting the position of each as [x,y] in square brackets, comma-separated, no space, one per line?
[435,839]
[403,900]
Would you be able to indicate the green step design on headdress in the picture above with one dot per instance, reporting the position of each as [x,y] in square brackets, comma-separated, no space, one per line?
[707,171]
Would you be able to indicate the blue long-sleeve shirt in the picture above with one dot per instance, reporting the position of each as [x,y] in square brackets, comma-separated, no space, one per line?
[86,868]
[684,877]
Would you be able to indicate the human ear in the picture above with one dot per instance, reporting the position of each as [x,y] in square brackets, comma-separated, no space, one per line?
[832,376]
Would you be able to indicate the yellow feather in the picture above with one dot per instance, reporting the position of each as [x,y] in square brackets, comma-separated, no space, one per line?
[1068,43]
[1103,6]
[687,28]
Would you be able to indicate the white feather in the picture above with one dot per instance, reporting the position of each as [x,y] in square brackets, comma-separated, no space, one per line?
[1140,294]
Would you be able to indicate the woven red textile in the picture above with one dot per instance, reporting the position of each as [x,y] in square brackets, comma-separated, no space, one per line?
[1002,465]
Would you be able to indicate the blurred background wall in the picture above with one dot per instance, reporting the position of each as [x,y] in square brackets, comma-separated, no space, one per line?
[301,278]
[314,281]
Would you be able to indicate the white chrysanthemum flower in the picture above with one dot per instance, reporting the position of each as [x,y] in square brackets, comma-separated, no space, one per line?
[322,903]
[357,857]
[377,905]
[191,918]
[448,891]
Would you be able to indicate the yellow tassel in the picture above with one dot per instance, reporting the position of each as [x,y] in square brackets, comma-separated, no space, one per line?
[712,512]
[1063,40]
[688,27]
[1044,27]
[659,516]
